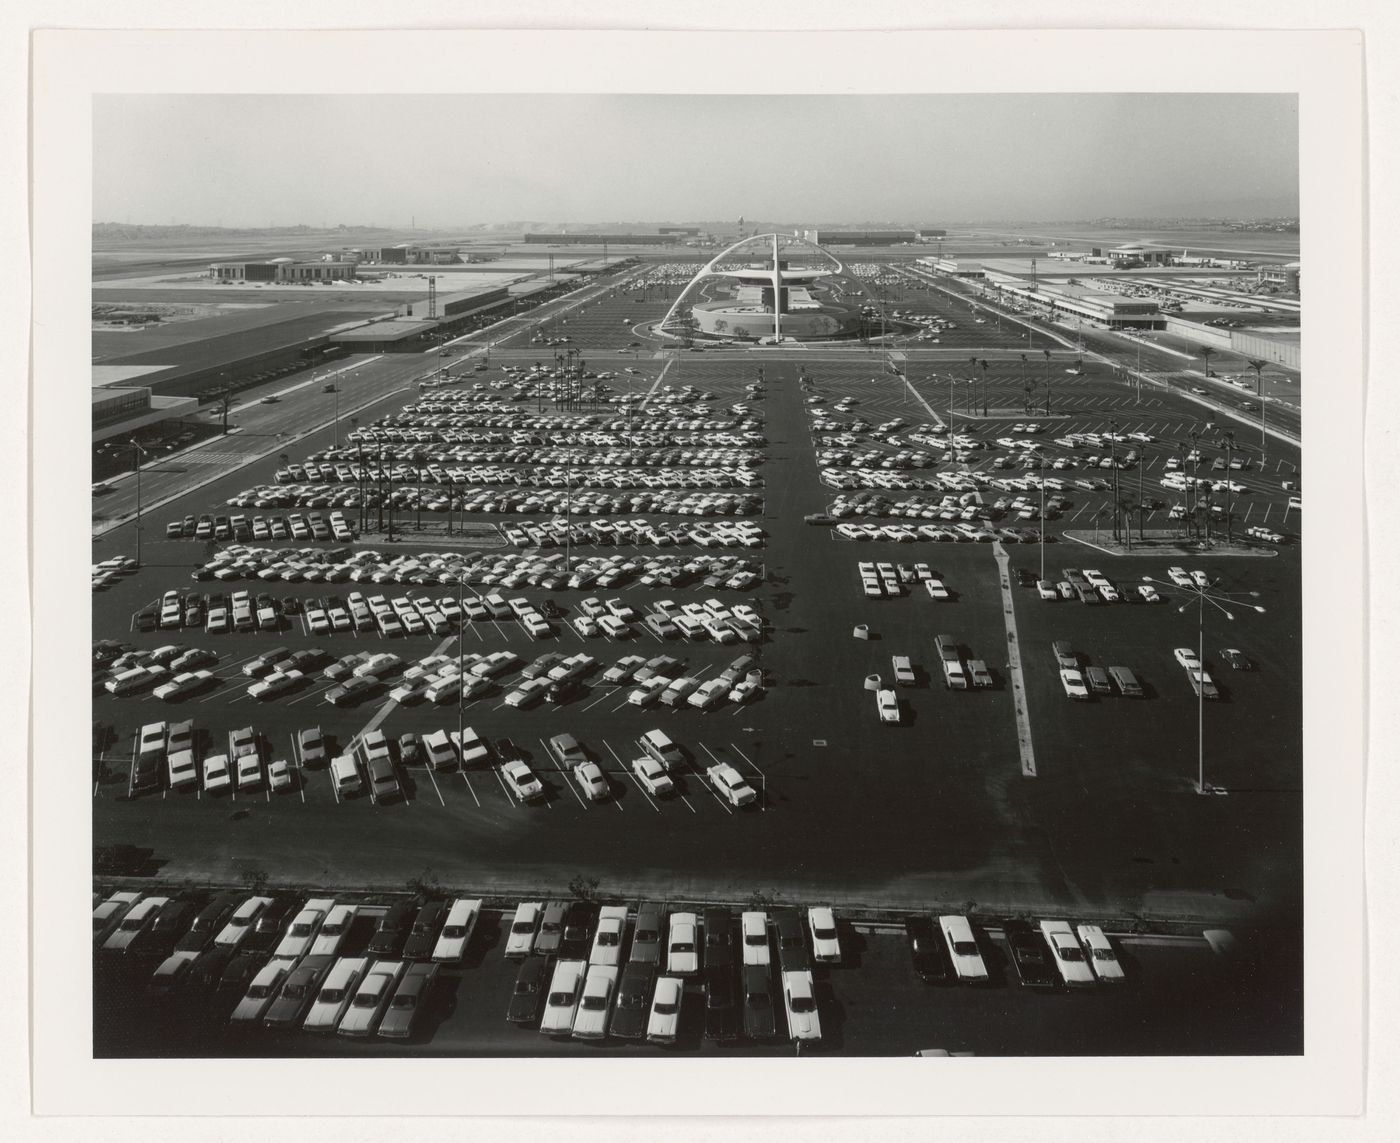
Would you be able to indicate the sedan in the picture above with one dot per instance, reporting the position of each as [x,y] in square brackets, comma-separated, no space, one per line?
[525,998]
[1067,954]
[753,928]
[708,694]
[1101,955]
[826,947]
[1030,956]
[760,1021]
[410,998]
[521,781]
[682,945]
[664,1021]
[183,684]
[590,780]
[1149,593]
[887,703]
[629,1019]
[927,951]
[649,691]
[1187,658]
[653,777]
[1236,659]
[1073,682]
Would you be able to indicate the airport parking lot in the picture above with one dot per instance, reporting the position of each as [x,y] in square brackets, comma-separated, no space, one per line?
[939,808]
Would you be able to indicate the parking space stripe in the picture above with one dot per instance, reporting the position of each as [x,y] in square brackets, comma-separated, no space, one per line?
[471,789]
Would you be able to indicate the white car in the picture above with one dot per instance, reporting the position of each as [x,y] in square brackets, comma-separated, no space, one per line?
[653,777]
[240,924]
[181,769]
[729,784]
[962,945]
[521,939]
[1149,593]
[1068,955]
[471,747]
[1073,682]
[591,781]
[561,1002]
[182,684]
[607,941]
[262,990]
[1179,577]
[586,626]
[336,993]
[744,690]
[279,775]
[708,694]
[301,933]
[826,947]
[522,780]
[1187,658]
[753,935]
[887,703]
[333,929]
[462,916]
[683,945]
[527,693]
[216,775]
[249,772]
[277,683]
[1200,579]
[665,1015]
[1045,589]
[649,691]
[800,1003]
[371,998]
[591,1016]
[623,670]
[1102,958]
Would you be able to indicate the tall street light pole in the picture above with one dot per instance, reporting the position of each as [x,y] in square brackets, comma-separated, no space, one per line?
[138,454]
[1258,367]
[1203,596]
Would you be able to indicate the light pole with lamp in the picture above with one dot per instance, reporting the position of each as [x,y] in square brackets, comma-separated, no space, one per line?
[1202,596]
[138,455]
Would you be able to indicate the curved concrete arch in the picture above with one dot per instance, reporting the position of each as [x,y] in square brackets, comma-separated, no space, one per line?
[711,269]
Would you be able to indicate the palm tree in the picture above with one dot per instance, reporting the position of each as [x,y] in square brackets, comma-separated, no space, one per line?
[1207,353]
[1098,515]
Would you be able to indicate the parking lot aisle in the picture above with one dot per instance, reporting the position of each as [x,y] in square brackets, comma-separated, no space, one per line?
[601,698]
[1013,663]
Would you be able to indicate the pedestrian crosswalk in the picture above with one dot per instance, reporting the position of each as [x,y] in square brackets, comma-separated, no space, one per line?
[200,457]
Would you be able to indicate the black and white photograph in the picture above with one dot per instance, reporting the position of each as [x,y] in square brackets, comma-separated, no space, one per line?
[645,571]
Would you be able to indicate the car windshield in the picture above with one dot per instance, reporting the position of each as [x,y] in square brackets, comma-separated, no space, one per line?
[758,1000]
[559,999]
[594,1003]
[665,1008]
[965,948]
[402,1002]
[1103,954]
[1071,952]
[331,995]
[803,1004]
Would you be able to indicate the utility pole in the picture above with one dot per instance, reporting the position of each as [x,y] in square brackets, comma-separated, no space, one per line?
[138,455]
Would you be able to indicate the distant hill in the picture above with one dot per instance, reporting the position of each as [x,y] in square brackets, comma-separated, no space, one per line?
[107,232]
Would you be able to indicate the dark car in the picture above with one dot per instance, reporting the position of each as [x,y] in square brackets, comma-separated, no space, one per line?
[239,971]
[563,690]
[792,941]
[423,938]
[147,620]
[646,936]
[928,951]
[578,930]
[267,931]
[208,967]
[629,1018]
[410,752]
[1030,956]
[208,921]
[551,928]
[529,989]
[1236,659]
[298,990]
[721,1012]
[158,938]
[392,930]
[308,660]
[551,610]
[719,937]
[351,691]
[1026,577]
[760,1023]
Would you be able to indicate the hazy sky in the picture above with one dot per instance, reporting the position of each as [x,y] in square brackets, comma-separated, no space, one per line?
[456,160]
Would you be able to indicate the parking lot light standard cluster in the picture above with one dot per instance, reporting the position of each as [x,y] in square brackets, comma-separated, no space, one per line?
[1203,595]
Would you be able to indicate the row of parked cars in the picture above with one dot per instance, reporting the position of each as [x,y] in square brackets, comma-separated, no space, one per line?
[238,527]
[555,533]
[551,571]
[588,474]
[567,497]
